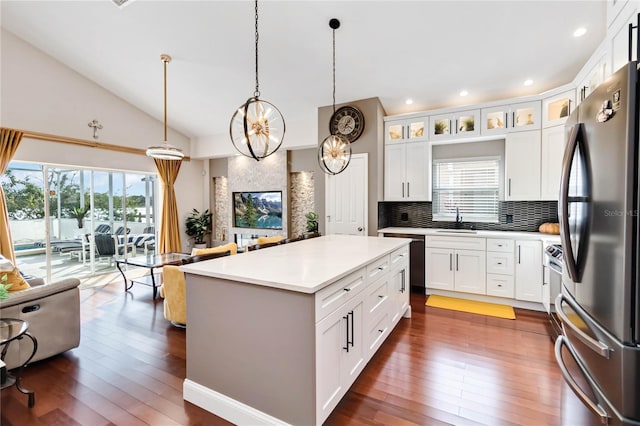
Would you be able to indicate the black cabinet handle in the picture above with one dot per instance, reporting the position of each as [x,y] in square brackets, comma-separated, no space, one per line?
[352,329]
[346,289]
[347,334]
[31,308]
[457,262]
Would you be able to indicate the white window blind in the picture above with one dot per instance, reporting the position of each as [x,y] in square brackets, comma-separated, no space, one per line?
[470,185]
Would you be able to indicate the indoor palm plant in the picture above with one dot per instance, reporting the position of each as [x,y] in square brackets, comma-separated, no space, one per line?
[198,225]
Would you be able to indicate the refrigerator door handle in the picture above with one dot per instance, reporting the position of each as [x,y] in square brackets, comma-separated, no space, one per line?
[563,203]
[591,405]
[593,344]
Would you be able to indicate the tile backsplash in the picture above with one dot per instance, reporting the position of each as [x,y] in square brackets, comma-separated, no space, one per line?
[514,216]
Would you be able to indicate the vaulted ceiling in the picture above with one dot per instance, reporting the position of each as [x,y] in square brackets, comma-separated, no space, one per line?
[424,50]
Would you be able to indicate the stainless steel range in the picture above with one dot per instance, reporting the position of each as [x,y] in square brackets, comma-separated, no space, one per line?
[553,287]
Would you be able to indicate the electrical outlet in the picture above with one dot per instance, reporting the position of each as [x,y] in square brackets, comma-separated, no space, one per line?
[509,218]
[404,216]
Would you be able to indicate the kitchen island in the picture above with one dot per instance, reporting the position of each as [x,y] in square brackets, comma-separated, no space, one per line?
[277,336]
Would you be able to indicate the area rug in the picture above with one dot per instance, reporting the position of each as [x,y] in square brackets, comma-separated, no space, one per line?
[471,306]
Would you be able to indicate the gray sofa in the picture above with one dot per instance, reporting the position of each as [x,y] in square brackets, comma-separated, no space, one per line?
[53,313]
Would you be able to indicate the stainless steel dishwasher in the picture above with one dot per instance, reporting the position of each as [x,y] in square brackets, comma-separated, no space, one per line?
[416,260]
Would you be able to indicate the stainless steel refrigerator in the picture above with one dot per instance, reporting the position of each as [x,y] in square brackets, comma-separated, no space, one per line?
[600,232]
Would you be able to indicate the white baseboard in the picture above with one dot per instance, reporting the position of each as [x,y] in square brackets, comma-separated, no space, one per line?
[225,407]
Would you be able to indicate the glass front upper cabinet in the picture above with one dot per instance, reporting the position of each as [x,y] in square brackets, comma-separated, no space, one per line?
[511,118]
[556,109]
[407,130]
[455,125]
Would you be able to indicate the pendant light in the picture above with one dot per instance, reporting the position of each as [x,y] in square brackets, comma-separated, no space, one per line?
[257,127]
[165,151]
[334,153]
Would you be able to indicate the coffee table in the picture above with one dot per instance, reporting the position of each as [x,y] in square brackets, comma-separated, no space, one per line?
[12,329]
[150,261]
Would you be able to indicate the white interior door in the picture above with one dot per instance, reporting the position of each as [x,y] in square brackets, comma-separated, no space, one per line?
[347,197]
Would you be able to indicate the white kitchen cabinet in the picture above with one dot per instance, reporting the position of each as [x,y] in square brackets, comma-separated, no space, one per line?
[500,285]
[340,353]
[552,152]
[456,269]
[377,308]
[619,38]
[522,166]
[510,118]
[406,130]
[470,269]
[406,172]
[399,292]
[500,267]
[556,109]
[439,264]
[454,125]
[528,270]
[592,79]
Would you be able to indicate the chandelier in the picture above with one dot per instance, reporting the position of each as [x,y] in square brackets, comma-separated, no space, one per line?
[257,127]
[334,153]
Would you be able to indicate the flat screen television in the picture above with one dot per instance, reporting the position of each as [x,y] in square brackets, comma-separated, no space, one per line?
[257,210]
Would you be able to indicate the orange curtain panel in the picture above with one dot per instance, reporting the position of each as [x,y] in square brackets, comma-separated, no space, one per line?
[9,141]
[169,229]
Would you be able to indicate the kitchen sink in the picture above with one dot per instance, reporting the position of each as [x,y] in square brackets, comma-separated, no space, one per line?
[457,231]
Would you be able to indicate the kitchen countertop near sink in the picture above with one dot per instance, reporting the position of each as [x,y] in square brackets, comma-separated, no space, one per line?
[549,238]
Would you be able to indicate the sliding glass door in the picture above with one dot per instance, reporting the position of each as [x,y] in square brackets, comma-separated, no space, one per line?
[77,221]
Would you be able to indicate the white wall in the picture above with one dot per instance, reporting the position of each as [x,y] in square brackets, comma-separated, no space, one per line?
[38,93]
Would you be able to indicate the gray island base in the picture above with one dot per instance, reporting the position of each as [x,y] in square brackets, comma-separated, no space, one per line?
[277,336]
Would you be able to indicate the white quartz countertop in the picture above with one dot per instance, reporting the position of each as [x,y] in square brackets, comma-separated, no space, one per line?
[305,266]
[548,238]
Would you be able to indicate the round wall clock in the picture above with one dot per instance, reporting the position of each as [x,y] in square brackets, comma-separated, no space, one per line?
[347,122]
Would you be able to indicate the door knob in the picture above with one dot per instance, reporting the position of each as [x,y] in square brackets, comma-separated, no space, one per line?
[359,228]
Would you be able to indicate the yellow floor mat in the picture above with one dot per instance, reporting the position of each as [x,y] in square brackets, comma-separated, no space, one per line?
[471,306]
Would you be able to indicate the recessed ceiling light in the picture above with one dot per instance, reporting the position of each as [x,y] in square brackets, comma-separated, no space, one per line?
[408,101]
[528,82]
[580,32]
[464,93]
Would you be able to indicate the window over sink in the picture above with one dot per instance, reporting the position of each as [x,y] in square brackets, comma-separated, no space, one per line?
[467,189]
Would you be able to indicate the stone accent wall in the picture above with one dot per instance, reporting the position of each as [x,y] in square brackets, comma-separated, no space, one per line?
[301,197]
[268,174]
[221,210]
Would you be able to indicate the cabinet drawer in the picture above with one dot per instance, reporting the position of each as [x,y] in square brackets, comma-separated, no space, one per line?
[494,244]
[500,285]
[377,297]
[376,332]
[400,257]
[378,267]
[500,263]
[334,295]
[463,243]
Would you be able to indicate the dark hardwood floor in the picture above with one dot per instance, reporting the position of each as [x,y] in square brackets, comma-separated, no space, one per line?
[440,367]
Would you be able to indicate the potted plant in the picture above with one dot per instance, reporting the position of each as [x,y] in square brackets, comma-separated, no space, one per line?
[4,288]
[312,222]
[79,214]
[198,226]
